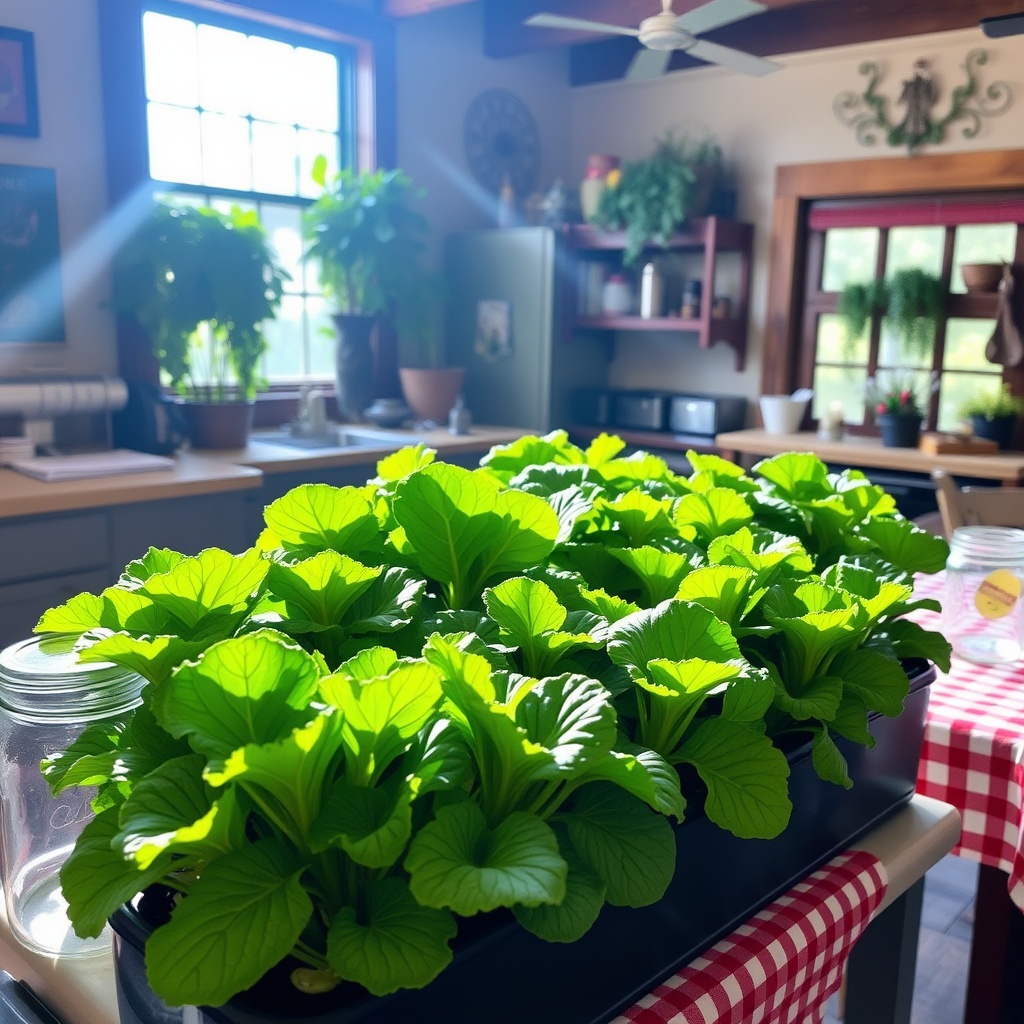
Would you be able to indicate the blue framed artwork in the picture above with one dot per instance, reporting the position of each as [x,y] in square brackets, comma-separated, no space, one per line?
[31,294]
[19,103]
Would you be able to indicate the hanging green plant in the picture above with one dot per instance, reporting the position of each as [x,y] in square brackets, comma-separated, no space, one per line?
[911,300]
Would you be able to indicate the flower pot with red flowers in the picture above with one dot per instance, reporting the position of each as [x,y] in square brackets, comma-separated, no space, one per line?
[898,410]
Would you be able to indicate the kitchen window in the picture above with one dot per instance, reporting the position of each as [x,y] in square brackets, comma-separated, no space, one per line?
[859,241]
[224,104]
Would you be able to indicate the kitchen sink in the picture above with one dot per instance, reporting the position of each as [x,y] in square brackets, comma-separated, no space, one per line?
[339,437]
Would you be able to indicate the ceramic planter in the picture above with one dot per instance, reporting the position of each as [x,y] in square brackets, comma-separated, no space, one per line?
[354,365]
[998,428]
[218,424]
[719,882]
[899,431]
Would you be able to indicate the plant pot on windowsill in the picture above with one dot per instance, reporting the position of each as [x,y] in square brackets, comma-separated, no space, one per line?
[996,428]
[431,391]
[217,424]
[899,430]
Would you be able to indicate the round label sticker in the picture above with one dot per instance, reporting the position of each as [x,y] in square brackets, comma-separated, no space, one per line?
[997,594]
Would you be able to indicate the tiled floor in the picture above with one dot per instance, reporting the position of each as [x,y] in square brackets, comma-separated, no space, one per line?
[944,944]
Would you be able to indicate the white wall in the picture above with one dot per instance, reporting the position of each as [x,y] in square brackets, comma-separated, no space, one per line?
[783,118]
[71,142]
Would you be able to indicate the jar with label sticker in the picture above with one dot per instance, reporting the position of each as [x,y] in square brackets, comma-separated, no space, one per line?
[983,611]
[47,699]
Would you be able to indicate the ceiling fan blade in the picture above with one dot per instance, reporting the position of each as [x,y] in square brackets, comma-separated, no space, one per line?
[648,64]
[718,12]
[735,60]
[579,24]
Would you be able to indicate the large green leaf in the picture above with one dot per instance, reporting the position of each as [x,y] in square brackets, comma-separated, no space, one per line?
[371,825]
[877,680]
[644,774]
[629,847]
[659,572]
[316,591]
[828,760]
[504,461]
[798,475]
[464,529]
[153,658]
[675,630]
[725,590]
[243,915]
[457,862]
[905,545]
[640,519]
[392,942]
[318,517]
[747,778]
[253,689]
[82,612]
[718,511]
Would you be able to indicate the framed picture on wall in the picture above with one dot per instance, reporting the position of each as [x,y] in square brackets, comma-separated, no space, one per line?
[19,104]
[31,294]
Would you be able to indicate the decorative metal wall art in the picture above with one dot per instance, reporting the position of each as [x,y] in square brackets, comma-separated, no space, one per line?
[866,113]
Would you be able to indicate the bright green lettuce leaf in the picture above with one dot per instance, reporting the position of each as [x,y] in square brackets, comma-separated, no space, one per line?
[391,942]
[318,517]
[877,680]
[828,760]
[463,529]
[603,449]
[675,630]
[398,465]
[607,605]
[818,697]
[746,775]
[153,658]
[813,641]
[905,545]
[911,640]
[727,591]
[252,689]
[369,663]
[644,774]
[712,470]
[504,461]
[800,476]
[438,759]
[852,721]
[747,699]
[718,511]
[639,518]
[173,808]
[457,862]
[100,742]
[659,572]
[767,553]
[96,879]
[629,847]
[243,915]
[316,591]
[154,561]
[82,612]
[387,604]
[372,825]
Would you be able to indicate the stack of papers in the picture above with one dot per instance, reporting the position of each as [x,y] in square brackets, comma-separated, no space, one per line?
[90,464]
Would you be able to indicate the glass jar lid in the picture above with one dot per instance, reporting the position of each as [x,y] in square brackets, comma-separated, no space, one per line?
[994,544]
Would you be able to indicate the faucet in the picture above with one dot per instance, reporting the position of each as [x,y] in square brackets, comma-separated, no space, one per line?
[312,413]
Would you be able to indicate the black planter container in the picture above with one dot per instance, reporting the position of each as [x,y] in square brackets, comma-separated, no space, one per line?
[510,976]
[998,429]
[899,431]
[354,365]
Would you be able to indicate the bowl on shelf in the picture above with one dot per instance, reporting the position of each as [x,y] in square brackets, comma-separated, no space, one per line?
[981,277]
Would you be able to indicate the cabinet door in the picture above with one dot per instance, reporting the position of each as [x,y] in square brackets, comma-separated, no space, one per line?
[21,604]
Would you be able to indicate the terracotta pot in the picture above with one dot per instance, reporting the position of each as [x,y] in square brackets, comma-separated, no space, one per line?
[431,392]
[218,424]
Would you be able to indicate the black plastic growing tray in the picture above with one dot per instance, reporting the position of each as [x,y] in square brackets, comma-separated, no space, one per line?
[509,976]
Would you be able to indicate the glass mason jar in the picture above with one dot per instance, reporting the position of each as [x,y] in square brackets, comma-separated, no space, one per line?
[983,612]
[47,698]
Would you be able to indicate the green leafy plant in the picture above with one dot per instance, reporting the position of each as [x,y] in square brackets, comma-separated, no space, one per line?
[993,404]
[895,394]
[201,282]
[451,691]
[652,198]
[911,299]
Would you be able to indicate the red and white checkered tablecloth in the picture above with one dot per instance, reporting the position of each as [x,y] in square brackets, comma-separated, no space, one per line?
[972,752]
[781,966]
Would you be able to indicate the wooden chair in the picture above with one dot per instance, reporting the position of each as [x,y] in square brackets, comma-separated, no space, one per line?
[977,506]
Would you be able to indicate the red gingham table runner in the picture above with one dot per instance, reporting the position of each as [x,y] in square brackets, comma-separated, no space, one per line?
[972,752]
[781,966]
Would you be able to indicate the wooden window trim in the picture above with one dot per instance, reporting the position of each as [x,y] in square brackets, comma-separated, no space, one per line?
[798,185]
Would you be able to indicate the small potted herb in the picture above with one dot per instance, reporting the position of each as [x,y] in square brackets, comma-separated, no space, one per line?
[993,413]
[202,282]
[897,409]
[451,694]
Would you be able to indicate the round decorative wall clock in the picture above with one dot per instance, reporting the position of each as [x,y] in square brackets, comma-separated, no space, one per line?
[501,140]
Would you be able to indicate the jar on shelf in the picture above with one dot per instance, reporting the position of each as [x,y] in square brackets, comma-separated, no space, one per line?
[650,291]
[617,296]
[47,699]
[595,179]
[983,611]
[691,300]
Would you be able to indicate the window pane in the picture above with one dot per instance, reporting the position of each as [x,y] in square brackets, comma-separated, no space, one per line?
[175,153]
[316,89]
[285,355]
[312,145]
[915,247]
[834,346]
[171,59]
[224,76]
[842,384]
[322,337]
[981,243]
[274,80]
[274,158]
[283,227]
[965,344]
[898,351]
[850,255]
[956,389]
[226,154]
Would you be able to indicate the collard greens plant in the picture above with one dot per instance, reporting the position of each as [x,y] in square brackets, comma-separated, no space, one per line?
[453,691]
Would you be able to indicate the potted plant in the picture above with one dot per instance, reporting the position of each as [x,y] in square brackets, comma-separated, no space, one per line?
[201,282]
[898,410]
[652,198]
[911,300]
[453,694]
[368,242]
[993,414]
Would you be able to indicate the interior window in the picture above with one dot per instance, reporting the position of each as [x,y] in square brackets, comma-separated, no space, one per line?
[858,242]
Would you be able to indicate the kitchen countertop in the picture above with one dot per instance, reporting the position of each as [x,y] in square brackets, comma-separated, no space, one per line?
[1007,467]
[211,472]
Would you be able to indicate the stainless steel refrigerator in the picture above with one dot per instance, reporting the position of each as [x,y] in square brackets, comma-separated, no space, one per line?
[510,302]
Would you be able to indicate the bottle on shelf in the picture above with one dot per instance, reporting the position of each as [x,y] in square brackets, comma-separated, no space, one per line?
[650,291]
[506,204]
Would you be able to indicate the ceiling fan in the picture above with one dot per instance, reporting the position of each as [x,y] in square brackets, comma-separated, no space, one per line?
[663,33]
